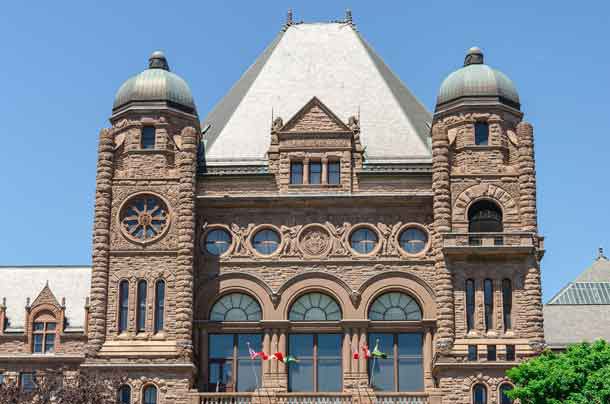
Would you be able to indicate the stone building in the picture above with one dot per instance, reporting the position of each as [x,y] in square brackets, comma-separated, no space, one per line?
[317,210]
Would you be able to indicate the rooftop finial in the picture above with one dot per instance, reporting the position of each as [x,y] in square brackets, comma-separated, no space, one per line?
[348,16]
[600,254]
[289,18]
[158,61]
[474,56]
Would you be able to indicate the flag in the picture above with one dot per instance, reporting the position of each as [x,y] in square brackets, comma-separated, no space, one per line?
[254,354]
[366,352]
[290,359]
[377,353]
[356,354]
[278,356]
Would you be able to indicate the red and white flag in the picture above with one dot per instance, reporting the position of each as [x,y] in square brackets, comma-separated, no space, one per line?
[366,352]
[356,354]
[278,356]
[254,354]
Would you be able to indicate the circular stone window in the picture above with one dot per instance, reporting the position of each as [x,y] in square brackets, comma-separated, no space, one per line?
[266,241]
[413,240]
[144,218]
[217,242]
[364,240]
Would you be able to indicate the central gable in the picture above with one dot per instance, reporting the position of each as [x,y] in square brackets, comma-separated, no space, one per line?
[315,117]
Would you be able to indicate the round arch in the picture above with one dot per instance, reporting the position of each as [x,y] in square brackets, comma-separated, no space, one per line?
[330,287]
[396,281]
[215,289]
[500,196]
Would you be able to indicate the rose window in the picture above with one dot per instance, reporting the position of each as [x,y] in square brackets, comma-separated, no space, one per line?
[144,218]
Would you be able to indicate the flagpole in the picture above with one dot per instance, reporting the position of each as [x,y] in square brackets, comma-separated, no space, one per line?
[252,366]
[373,367]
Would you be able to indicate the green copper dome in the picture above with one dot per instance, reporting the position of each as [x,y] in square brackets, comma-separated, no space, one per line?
[155,87]
[476,79]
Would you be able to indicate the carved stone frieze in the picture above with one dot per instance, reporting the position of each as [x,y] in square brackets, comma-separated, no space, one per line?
[315,240]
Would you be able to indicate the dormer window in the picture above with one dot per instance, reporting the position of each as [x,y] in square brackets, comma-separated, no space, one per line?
[334,173]
[296,173]
[43,333]
[148,137]
[481,133]
[315,172]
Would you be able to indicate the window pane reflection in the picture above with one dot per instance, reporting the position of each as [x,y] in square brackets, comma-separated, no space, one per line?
[319,362]
[407,366]
[230,366]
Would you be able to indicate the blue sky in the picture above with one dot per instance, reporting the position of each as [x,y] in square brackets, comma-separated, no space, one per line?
[63,61]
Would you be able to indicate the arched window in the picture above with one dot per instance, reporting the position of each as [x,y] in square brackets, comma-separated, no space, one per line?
[507,303]
[123,305]
[159,305]
[141,313]
[395,306]
[488,295]
[485,216]
[315,307]
[469,304]
[124,394]
[44,330]
[236,307]
[503,397]
[150,395]
[479,394]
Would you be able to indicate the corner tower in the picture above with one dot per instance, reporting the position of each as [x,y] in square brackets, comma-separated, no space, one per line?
[142,276]
[489,249]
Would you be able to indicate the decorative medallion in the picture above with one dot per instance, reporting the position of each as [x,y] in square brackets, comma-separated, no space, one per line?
[144,218]
[315,240]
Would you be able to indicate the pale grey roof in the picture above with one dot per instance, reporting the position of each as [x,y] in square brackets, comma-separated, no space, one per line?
[569,324]
[581,310]
[19,283]
[330,61]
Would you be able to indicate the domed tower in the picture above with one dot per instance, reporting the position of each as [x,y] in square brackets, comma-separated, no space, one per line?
[142,277]
[488,249]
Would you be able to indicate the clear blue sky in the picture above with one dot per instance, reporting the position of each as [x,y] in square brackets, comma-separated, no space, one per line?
[62,62]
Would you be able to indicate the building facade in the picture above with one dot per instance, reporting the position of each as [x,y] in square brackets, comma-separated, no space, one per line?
[318,210]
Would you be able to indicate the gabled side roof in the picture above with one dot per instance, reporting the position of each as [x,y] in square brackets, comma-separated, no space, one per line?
[330,61]
[17,284]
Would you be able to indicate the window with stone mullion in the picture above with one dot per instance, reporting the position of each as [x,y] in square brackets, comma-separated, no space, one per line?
[43,334]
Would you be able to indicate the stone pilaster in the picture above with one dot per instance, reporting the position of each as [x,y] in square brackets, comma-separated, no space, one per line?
[442,224]
[101,243]
[186,242]
[534,318]
[527,177]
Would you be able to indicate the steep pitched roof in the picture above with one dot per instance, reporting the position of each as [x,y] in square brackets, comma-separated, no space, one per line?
[330,61]
[17,284]
[581,310]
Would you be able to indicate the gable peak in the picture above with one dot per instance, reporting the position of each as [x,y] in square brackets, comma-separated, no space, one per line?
[315,116]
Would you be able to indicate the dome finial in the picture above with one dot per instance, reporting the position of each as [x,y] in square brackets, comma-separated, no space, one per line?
[600,254]
[157,60]
[474,56]
[348,16]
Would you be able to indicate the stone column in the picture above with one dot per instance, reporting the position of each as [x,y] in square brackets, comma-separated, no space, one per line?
[203,358]
[442,224]
[428,355]
[306,171]
[101,243]
[266,364]
[186,243]
[527,177]
[324,171]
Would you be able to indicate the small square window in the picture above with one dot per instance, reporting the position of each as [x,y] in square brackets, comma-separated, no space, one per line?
[38,326]
[481,133]
[315,172]
[334,173]
[473,353]
[491,353]
[148,137]
[296,172]
[510,353]
[38,343]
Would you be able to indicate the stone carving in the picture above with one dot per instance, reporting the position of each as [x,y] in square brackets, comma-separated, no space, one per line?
[241,235]
[278,123]
[315,240]
[289,235]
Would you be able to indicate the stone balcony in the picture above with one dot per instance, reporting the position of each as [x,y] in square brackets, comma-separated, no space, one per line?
[364,397]
[514,243]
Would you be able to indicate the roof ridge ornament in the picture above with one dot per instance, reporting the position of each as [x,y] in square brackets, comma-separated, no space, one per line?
[157,60]
[474,57]
[348,16]
[289,20]
[600,254]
